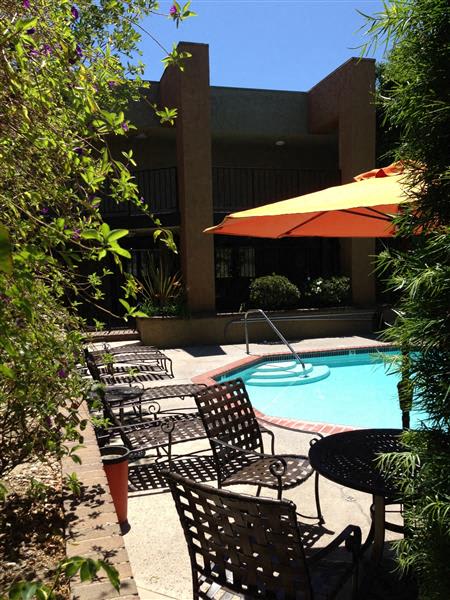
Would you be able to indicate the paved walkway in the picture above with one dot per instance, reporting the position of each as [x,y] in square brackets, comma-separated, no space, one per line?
[155,541]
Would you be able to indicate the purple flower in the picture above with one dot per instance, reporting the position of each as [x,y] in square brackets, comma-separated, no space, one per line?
[34,53]
[31,31]
[46,49]
[26,3]
[78,54]
[44,210]
[62,374]
[76,234]
[78,150]
[111,84]
[124,126]
[74,12]
[173,11]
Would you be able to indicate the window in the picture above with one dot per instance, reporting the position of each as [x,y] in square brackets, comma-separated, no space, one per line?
[235,262]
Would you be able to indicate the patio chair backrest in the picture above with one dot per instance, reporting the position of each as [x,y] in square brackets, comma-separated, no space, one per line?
[246,544]
[92,365]
[228,415]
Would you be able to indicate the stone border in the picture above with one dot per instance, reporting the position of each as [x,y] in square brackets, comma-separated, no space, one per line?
[92,528]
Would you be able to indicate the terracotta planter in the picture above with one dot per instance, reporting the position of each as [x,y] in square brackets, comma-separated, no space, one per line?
[115,463]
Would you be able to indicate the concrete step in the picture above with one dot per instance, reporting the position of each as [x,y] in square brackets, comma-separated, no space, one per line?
[318,373]
[280,369]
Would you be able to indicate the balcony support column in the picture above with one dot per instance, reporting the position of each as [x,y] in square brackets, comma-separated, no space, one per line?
[344,101]
[188,91]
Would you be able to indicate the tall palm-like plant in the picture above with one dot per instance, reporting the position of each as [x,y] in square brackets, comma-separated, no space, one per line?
[161,285]
[418,107]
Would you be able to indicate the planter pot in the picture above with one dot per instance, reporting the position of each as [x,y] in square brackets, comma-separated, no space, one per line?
[115,464]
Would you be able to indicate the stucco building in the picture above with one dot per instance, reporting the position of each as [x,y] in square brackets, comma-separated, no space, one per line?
[235,148]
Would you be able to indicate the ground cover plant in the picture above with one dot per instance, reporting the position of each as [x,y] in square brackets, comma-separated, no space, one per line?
[66,76]
[417,109]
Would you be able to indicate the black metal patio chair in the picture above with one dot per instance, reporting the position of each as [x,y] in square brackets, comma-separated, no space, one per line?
[237,445]
[138,421]
[249,547]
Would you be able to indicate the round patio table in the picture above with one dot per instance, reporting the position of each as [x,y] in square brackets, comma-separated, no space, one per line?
[120,394]
[124,395]
[350,459]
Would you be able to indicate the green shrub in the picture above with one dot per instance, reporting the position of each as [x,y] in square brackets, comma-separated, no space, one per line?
[328,292]
[176,308]
[273,292]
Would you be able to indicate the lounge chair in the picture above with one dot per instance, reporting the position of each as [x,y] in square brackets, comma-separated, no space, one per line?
[237,445]
[157,366]
[251,547]
[147,355]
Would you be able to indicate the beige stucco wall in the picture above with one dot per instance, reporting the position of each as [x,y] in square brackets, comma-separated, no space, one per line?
[168,332]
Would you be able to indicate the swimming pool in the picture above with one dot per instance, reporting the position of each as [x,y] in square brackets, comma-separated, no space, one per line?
[360,391]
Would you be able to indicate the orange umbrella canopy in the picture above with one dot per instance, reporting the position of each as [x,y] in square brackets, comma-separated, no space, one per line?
[363,208]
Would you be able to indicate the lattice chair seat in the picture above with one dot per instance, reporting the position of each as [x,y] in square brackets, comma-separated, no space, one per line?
[237,446]
[257,471]
[249,547]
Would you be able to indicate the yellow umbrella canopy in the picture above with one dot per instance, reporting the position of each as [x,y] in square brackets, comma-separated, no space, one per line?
[363,208]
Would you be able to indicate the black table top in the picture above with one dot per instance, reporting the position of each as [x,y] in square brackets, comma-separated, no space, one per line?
[122,393]
[350,459]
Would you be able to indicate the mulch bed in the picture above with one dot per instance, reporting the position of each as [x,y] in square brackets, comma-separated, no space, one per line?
[32,526]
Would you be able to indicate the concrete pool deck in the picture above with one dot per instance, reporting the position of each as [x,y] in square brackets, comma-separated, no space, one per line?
[155,541]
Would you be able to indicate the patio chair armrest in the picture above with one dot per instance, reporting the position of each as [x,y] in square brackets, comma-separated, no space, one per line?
[351,535]
[240,450]
[272,437]
[277,464]
[316,434]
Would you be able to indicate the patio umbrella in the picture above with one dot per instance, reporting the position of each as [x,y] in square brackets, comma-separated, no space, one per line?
[363,208]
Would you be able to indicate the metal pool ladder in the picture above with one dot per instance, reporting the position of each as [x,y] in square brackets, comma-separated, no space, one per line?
[277,331]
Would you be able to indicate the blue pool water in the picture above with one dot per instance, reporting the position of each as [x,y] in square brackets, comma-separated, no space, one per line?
[361,391]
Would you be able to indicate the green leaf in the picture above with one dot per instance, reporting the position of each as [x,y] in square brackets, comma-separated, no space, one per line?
[105,230]
[5,251]
[43,593]
[29,590]
[87,570]
[7,371]
[116,234]
[125,304]
[112,574]
[3,491]
[72,566]
[120,251]
[91,234]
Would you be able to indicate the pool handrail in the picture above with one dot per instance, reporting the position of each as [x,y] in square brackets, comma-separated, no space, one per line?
[277,331]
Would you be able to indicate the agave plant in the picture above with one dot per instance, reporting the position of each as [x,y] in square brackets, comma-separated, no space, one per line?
[161,287]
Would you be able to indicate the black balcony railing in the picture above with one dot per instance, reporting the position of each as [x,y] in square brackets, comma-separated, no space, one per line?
[158,188]
[241,188]
[234,188]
